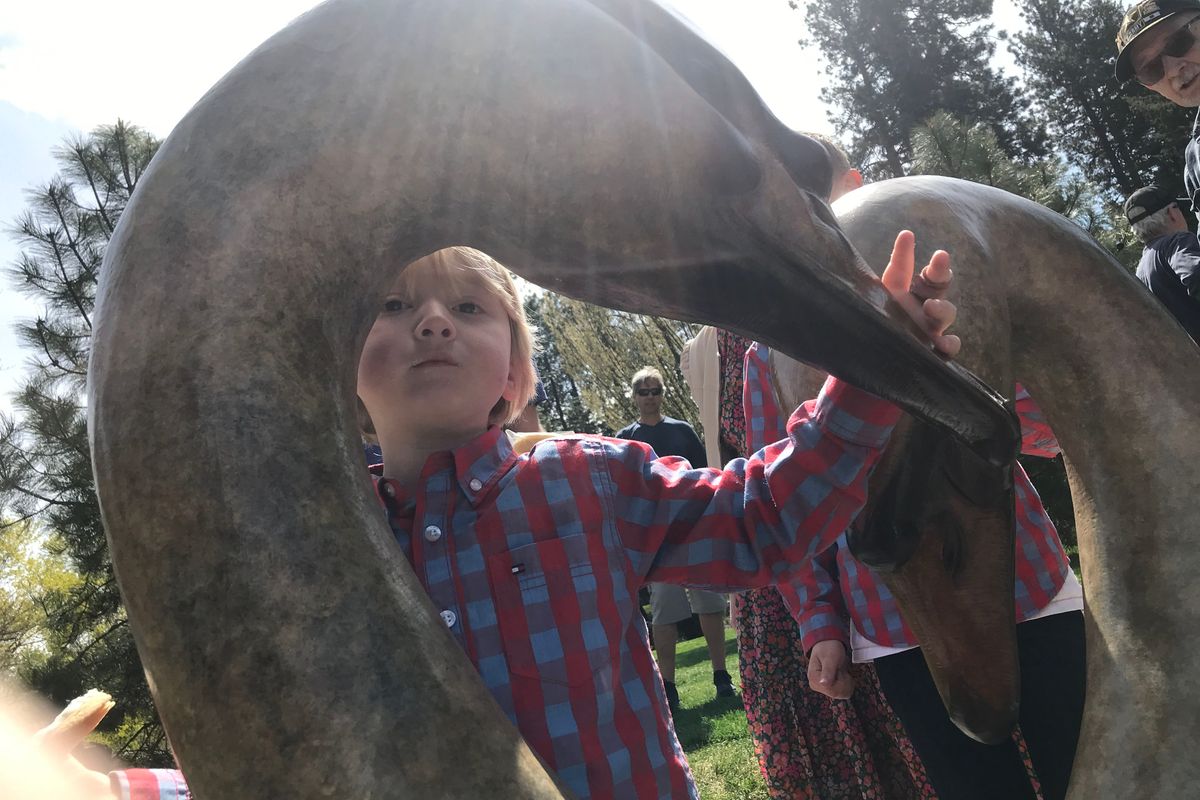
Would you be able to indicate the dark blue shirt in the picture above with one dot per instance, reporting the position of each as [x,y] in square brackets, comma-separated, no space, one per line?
[671,437]
[1170,266]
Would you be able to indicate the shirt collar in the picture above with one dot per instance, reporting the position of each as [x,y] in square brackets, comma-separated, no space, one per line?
[477,465]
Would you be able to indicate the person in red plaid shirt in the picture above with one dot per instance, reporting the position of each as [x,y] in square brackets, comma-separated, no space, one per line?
[863,621]
[535,560]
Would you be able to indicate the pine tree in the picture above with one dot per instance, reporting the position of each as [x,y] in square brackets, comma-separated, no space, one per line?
[1120,138]
[45,465]
[948,146]
[893,63]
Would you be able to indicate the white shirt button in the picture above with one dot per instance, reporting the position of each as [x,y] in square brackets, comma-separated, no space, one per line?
[475,484]
[433,533]
[449,617]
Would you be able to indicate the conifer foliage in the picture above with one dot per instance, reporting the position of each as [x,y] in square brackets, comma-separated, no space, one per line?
[892,63]
[45,463]
[1120,137]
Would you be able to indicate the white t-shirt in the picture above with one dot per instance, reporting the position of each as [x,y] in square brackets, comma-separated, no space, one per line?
[1069,598]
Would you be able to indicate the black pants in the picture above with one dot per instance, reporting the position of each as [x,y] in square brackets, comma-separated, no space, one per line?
[1053,674]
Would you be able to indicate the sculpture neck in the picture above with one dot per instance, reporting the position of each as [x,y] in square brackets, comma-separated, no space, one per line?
[1119,382]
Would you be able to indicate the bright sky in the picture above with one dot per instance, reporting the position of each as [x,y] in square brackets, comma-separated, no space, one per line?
[158,58]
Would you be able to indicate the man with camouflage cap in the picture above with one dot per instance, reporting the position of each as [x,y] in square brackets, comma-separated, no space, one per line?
[1157,46]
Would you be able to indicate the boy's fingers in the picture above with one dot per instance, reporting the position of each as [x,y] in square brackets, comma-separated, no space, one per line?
[843,687]
[939,315]
[933,282]
[937,272]
[898,275]
[949,344]
[819,681]
[816,675]
[74,723]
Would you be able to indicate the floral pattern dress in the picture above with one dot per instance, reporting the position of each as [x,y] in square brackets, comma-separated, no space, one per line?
[808,745]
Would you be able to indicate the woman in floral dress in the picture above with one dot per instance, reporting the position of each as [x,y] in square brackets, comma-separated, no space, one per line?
[808,745]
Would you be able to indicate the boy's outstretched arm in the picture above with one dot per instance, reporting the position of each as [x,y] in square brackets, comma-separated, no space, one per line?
[760,519]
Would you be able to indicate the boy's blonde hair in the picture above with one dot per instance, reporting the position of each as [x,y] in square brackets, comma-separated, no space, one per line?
[642,374]
[448,264]
[837,156]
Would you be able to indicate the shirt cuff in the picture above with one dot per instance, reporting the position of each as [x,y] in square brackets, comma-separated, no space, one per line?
[821,628]
[854,415]
[149,784]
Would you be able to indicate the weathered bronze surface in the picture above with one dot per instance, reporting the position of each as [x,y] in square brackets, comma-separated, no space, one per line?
[1119,382]
[611,155]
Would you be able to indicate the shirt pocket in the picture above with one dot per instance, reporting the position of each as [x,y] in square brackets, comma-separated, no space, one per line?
[547,612]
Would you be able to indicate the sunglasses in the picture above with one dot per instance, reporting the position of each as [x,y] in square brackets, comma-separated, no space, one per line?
[655,392]
[1176,45]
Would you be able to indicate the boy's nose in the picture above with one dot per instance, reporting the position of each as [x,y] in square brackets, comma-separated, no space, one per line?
[437,329]
[434,323]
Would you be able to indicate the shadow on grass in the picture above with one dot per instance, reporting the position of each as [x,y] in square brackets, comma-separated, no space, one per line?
[696,725]
[690,658]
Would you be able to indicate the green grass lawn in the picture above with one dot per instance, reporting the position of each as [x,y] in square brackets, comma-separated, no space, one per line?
[713,732]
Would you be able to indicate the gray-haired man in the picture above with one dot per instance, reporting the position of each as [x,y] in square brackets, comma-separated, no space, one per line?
[1170,264]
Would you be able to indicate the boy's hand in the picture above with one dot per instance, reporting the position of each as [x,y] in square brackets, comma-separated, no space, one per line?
[828,670]
[922,298]
[74,723]
[65,776]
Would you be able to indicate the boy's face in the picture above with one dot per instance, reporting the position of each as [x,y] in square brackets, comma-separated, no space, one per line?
[437,359]
[1180,82]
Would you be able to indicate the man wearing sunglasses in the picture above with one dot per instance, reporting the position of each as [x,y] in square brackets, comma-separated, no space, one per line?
[1157,47]
[671,604]
[1170,264]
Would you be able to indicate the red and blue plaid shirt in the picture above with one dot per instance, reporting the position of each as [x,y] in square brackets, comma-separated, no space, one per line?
[150,784]
[535,561]
[814,599]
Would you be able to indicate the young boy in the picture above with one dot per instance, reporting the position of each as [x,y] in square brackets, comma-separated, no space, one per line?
[536,560]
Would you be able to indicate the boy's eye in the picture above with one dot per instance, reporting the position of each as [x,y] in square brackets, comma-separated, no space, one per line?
[394,304]
[469,307]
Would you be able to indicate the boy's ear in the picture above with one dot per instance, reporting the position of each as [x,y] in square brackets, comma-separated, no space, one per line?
[510,386]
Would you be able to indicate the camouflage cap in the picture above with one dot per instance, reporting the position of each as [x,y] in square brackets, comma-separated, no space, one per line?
[1139,19]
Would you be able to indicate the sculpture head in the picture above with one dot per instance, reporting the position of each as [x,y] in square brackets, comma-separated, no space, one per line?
[938,528]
